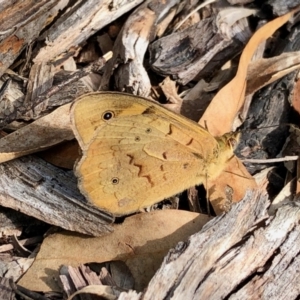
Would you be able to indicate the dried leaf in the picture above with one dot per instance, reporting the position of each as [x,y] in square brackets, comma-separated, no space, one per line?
[223,108]
[265,71]
[219,117]
[296,97]
[141,241]
[168,87]
[45,132]
[230,187]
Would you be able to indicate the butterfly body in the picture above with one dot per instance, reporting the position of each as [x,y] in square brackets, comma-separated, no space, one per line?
[137,153]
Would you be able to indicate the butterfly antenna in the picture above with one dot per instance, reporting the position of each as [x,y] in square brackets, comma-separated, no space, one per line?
[205,125]
[242,176]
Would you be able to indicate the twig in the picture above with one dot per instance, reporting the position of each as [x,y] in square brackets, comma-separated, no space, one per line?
[271,160]
[24,293]
[193,11]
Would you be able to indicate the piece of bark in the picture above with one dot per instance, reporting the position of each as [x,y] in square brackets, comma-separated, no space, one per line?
[13,267]
[193,200]
[280,280]
[12,222]
[170,91]
[69,84]
[5,259]
[74,279]
[68,93]
[281,7]
[63,88]
[234,2]
[79,22]
[264,131]
[40,80]
[21,23]
[19,246]
[235,256]
[11,99]
[6,292]
[126,66]
[22,292]
[47,193]
[197,51]
[191,14]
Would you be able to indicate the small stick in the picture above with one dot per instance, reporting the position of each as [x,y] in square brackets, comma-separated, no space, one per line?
[271,160]
[24,293]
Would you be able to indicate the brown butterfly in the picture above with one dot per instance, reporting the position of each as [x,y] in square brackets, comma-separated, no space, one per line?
[137,153]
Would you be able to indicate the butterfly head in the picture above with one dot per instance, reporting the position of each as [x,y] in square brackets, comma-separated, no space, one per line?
[227,144]
[230,140]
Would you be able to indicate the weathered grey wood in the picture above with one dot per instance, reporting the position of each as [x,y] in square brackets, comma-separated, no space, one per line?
[264,131]
[11,99]
[199,50]
[281,7]
[45,90]
[280,243]
[234,2]
[127,64]
[240,255]
[6,291]
[21,23]
[74,279]
[189,269]
[47,193]
[79,22]
[131,295]
[12,222]
[40,80]
[73,90]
